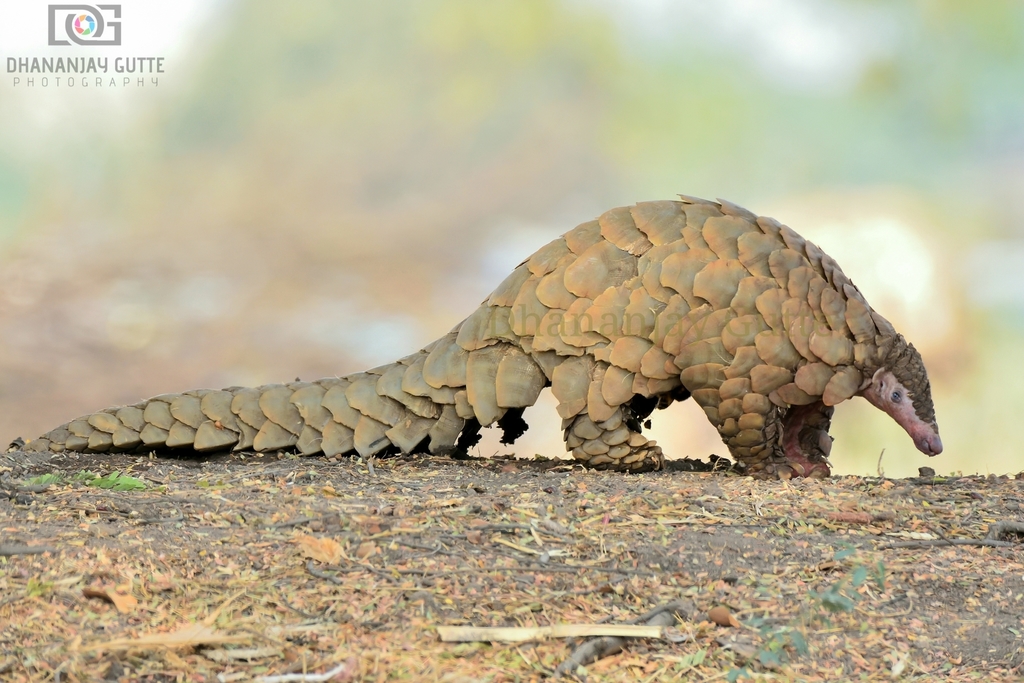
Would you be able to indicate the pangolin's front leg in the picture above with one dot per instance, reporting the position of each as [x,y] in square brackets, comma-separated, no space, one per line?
[779,442]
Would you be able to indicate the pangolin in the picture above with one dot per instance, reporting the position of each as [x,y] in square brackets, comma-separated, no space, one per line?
[647,305]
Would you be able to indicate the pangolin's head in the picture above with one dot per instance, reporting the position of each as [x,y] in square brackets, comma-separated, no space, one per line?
[900,387]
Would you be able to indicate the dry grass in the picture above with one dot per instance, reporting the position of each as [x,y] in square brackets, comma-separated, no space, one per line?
[234,568]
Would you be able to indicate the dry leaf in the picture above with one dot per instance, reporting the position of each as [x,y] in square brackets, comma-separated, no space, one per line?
[223,656]
[445,503]
[850,517]
[189,635]
[366,549]
[474,537]
[325,550]
[722,616]
[123,602]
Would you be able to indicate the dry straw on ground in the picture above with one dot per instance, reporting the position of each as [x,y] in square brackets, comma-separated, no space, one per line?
[235,568]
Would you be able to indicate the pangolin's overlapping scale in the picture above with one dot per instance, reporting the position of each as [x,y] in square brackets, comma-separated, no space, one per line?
[753,250]
[814,377]
[246,406]
[731,209]
[657,364]
[390,385]
[445,365]
[551,291]
[409,432]
[639,319]
[336,401]
[445,432]
[597,408]
[777,349]
[781,261]
[618,227]
[582,237]
[740,332]
[717,282]
[481,383]
[362,395]
[793,395]
[570,384]
[843,385]
[662,222]
[527,310]
[553,327]
[708,326]
[601,266]
[547,258]
[668,325]
[722,232]
[518,381]
[579,329]
[745,358]
[209,437]
[801,323]
[650,265]
[506,292]
[765,379]
[703,376]
[617,387]
[858,319]
[815,289]
[486,326]
[608,312]
[270,437]
[832,347]
[800,282]
[337,439]
[413,382]
[370,437]
[679,269]
[277,406]
[627,352]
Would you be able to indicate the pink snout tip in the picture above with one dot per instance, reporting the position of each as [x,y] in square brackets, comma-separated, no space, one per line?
[929,444]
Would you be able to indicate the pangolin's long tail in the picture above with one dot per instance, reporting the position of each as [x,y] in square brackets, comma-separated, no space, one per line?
[421,403]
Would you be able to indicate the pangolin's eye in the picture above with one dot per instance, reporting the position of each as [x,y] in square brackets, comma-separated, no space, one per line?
[896,396]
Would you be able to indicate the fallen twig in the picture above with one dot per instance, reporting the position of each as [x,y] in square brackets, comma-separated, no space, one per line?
[879,615]
[342,672]
[522,634]
[1005,528]
[598,648]
[949,542]
[938,532]
[162,520]
[327,577]
[8,550]
[387,572]
[297,521]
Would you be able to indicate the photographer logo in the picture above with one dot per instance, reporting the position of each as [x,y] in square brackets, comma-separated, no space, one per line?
[85,24]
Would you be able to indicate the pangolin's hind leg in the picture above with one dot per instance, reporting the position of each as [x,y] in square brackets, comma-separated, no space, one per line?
[612,444]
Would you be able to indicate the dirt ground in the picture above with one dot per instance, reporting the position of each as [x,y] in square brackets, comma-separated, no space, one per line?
[280,565]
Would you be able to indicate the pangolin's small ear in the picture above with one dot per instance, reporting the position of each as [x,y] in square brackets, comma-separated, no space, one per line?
[868,380]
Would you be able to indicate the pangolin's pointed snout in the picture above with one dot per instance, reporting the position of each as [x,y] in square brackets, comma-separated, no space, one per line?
[929,444]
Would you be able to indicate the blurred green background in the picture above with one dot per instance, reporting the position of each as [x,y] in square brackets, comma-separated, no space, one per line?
[317,187]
